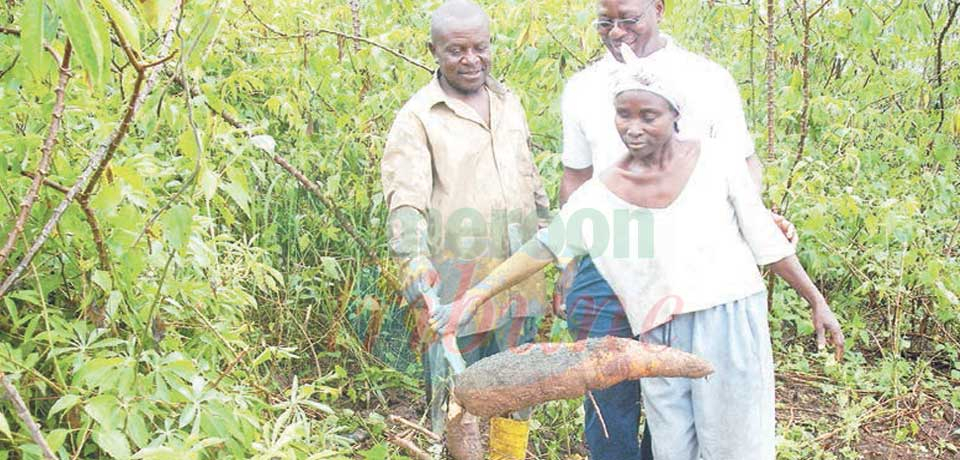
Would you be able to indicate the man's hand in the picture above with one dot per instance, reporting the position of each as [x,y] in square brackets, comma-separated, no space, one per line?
[824,322]
[786,227]
[419,276]
[564,281]
[448,319]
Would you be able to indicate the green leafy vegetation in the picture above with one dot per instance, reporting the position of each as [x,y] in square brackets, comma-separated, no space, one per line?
[192,300]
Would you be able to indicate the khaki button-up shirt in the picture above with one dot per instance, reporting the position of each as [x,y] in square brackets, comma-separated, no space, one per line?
[477,187]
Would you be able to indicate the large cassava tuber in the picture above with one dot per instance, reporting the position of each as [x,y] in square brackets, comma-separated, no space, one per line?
[463,434]
[536,373]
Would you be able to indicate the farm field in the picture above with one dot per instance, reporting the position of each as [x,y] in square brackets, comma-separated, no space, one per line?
[194,259]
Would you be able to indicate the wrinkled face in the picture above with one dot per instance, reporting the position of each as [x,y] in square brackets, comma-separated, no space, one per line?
[634,22]
[463,54]
[644,120]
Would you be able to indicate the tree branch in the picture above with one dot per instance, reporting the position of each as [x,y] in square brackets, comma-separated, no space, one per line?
[46,154]
[948,248]
[939,64]
[410,447]
[565,48]
[46,46]
[88,212]
[49,183]
[10,67]
[102,254]
[131,54]
[322,31]
[156,299]
[311,186]
[338,214]
[24,413]
[805,110]
[190,182]
[355,13]
[819,9]
[771,50]
[96,164]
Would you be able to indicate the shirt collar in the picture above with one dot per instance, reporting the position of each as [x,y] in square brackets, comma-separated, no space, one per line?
[438,95]
[668,45]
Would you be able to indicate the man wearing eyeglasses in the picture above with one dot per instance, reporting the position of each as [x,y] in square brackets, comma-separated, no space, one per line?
[591,145]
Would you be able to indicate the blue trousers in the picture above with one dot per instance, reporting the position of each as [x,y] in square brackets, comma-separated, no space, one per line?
[593,310]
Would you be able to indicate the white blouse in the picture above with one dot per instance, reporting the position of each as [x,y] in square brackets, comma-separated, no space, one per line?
[700,251]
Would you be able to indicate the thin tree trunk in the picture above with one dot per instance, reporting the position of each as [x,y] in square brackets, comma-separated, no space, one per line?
[146,79]
[46,156]
[24,413]
[771,49]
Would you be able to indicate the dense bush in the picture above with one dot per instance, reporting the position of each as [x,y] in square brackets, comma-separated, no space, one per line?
[195,302]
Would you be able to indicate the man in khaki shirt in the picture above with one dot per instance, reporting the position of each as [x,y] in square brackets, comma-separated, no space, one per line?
[462,188]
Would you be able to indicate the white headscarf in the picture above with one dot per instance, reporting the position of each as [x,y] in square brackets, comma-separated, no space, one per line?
[633,76]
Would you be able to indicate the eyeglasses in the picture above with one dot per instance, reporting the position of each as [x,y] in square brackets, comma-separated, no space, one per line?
[608,24]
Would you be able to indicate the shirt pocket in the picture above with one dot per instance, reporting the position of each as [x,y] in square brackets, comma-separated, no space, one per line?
[522,155]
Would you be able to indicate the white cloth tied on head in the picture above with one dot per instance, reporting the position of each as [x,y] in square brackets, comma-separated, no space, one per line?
[633,77]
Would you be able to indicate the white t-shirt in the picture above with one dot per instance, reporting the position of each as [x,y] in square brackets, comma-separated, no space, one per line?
[712,108]
[700,251]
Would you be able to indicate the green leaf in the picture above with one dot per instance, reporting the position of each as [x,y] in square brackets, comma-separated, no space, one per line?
[199,46]
[103,409]
[64,404]
[4,427]
[944,150]
[330,267]
[377,452]
[188,145]
[113,301]
[159,453]
[188,414]
[95,371]
[113,442]
[103,33]
[210,93]
[108,199]
[947,294]
[102,279]
[208,181]
[30,451]
[137,429]
[237,189]
[125,23]
[157,12]
[85,38]
[31,37]
[55,438]
[177,223]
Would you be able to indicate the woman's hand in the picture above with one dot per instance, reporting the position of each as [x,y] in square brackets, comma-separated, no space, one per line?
[825,322]
[787,227]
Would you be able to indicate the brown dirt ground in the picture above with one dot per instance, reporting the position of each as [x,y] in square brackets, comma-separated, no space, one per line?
[800,401]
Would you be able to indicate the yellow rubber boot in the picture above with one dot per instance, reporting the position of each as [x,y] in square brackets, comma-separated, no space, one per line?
[508,439]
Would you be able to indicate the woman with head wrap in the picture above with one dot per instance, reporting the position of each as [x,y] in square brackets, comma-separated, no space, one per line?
[678,231]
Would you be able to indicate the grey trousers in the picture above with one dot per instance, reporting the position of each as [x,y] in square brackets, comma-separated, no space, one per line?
[728,415]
